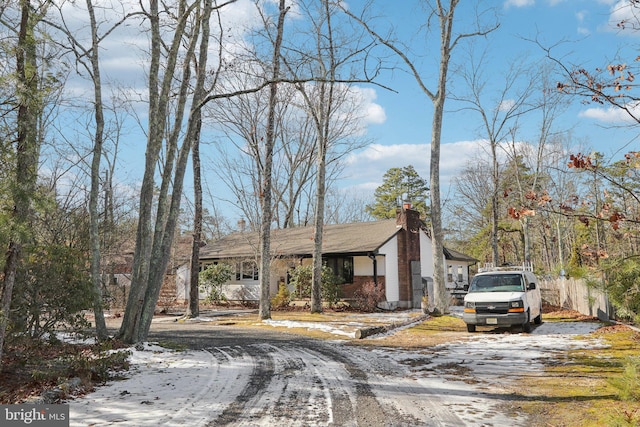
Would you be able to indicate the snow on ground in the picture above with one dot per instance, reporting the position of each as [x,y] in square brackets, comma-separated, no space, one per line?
[357,321]
[172,388]
[163,388]
[477,371]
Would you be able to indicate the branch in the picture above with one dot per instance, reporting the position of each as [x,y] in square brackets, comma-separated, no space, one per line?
[396,50]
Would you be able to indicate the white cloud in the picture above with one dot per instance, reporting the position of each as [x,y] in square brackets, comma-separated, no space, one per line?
[583,31]
[581,15]
[373,113]
[518,3]
[622,11]
[611,115]
[366,168]
[506,105]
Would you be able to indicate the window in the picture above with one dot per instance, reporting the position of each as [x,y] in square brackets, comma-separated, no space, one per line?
[449,274]
[249,270]
[498,283]
[246,270]
[459,273]
[203,267]
[342,267]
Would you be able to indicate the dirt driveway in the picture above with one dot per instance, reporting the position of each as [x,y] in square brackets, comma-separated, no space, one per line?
[256,377]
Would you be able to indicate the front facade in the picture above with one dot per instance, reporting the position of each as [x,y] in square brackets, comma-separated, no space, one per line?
[395,254]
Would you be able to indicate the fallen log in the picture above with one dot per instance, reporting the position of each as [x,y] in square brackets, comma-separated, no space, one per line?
[374,330]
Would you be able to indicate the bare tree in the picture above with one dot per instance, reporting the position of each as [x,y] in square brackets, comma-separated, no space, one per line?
[346,205]
[469,211]
[265,190]
[549,105]
[193,134]
[88,57]
[443,12]
[243,120]
[328,103]
[499,115]
[153,245]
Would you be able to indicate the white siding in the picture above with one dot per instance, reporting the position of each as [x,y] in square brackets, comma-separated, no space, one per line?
[426,256]
[363,266]
[390,251]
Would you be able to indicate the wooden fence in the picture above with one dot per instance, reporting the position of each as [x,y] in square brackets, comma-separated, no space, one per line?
[574,294]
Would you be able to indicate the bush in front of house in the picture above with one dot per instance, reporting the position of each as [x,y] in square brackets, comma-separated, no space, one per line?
[368,297]
[283,298]
[301,277]
[212,278]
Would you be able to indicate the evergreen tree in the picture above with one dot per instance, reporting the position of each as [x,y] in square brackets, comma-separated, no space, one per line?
[399,184]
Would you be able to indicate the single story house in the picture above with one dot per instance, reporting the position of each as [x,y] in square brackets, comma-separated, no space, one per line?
[395,254]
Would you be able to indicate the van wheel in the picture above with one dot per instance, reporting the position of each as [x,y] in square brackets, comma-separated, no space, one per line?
[538,319]
[471,328]
[526,326]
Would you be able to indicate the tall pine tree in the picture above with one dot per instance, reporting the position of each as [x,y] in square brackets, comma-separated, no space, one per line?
[399,184]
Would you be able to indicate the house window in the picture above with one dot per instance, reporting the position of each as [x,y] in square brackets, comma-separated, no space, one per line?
[459,273]
[450,274]
[246,270]
[250,270]
[203,267]
[342,267]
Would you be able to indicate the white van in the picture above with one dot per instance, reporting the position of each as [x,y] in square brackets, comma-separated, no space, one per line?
[503,296]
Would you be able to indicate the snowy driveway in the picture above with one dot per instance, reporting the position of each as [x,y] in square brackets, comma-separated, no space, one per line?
[244,378]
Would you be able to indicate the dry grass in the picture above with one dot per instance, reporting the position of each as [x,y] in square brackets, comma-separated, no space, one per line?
[433,331]
[575,390]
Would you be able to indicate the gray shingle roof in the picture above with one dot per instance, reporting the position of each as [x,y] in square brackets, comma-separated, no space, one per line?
[354,238]
[458,256]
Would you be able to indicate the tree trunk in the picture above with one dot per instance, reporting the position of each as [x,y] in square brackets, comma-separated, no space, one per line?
[495,177]
[10,269]
[316,284]
[153,242]
[193,308]
[267,215]
[163,239]
[195,127]
[437,237]
[446,24]
[94,229]
[27,155]
[324,126]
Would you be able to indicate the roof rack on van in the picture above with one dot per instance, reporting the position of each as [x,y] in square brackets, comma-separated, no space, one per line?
[488,266]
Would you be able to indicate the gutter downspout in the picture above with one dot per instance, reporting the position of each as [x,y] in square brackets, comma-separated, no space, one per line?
[372,257]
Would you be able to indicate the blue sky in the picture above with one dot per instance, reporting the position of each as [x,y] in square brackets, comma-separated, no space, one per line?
[581,33]
[398,123]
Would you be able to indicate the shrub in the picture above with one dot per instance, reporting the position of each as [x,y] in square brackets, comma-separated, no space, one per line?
[55,289]
[368,297]
[301,278]
[212,278]
[283,298]
[628,384]
[623,286]
[331,287]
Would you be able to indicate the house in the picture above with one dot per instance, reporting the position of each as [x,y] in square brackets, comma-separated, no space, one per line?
[395,254]
[117,270]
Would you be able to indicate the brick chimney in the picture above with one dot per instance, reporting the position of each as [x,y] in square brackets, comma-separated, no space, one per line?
[408,249]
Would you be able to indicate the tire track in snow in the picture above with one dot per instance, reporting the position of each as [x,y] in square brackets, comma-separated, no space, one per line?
[220,391]
[246,405]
